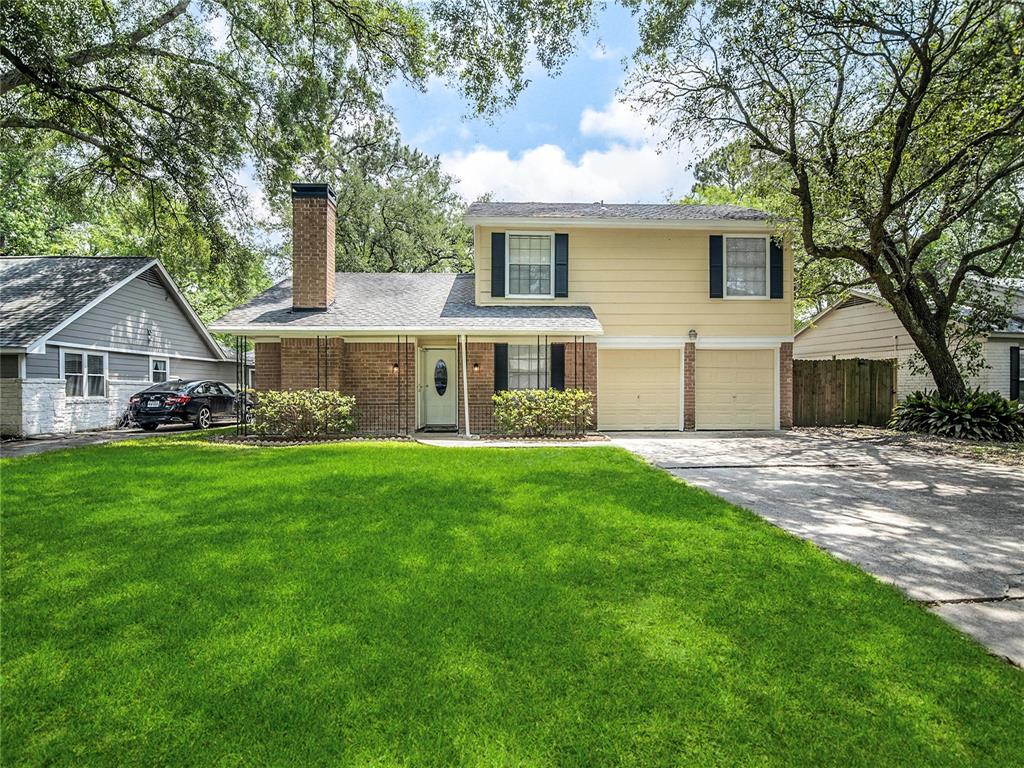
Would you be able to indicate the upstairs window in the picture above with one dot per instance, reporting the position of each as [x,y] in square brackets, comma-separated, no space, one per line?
[531,267]
[527,366]
[746,267]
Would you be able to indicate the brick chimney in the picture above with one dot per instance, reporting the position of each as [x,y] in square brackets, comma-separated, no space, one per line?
[313,217]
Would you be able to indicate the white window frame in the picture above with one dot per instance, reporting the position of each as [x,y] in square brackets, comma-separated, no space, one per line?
[86,354]
[508,264]
[767,266]
[166,360]
[543,364]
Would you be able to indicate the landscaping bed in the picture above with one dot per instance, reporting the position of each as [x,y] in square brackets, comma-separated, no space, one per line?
[178,602]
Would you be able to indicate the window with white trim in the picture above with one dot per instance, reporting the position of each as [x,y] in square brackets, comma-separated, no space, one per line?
[746,267]
[531,265]
[159,367]
[85,374]
[528,366]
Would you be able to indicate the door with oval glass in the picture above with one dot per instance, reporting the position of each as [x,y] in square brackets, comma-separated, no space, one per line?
[440,388]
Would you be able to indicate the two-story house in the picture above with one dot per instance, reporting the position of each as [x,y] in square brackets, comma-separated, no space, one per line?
[676,317]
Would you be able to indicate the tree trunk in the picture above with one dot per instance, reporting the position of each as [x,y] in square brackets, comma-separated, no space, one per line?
[931,343]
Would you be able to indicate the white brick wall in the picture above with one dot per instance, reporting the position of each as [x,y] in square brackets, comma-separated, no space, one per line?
[39,406]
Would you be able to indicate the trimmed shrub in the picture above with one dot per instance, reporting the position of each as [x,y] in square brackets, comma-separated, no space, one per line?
[532,412]
[302,413]
[978,416]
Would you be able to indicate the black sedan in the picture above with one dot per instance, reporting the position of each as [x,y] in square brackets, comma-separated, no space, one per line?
[199,403]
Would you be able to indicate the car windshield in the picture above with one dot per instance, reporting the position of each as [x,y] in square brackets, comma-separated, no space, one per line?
[174,385]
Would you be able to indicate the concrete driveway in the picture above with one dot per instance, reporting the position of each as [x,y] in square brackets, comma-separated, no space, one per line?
[47,443]
[947,531]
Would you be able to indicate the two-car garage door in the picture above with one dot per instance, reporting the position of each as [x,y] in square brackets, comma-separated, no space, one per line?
[640,389]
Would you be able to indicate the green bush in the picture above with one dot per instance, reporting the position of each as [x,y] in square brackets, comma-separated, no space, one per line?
[978,416]
[531,412]
[302,413]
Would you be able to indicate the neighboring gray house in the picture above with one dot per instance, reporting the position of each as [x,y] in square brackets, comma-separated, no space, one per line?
[79,336]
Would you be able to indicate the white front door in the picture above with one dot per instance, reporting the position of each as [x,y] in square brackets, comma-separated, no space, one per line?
[441,387]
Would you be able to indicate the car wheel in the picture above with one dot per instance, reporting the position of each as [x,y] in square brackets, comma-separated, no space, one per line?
[148,427]
[203,418]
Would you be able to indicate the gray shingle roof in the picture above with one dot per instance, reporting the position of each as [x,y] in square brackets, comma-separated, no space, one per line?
[642,211]
[405,302]
[38,293]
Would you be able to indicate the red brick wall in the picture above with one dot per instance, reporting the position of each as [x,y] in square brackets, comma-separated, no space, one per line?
[786,385]
[304,366]
[313,221]
[581,369]
[383,396]
[480,383]
[689,390]
[268,366]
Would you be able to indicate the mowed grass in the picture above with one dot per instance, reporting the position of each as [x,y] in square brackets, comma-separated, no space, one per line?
[172,602]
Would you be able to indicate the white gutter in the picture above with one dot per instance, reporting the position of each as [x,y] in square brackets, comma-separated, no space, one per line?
[465,386]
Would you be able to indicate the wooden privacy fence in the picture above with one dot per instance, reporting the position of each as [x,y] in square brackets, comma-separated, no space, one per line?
[834,392]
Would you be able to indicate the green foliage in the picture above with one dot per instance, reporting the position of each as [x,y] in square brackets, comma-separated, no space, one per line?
[977,416]
[532,412]
[302,413]
[166,103]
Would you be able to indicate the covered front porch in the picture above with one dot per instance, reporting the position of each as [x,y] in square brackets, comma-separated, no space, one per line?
[433,382]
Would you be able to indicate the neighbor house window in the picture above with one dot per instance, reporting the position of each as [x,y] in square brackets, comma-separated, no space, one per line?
[530,265]
[158,368]
[85,374]
[527,366]
[746,267]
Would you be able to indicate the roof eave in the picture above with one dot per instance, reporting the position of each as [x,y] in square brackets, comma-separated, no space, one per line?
[326,330]
[562,222]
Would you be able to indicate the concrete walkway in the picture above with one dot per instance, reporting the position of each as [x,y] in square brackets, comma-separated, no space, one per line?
[949,532]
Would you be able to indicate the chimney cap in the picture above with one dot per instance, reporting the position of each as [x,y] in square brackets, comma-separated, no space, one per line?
[305,191]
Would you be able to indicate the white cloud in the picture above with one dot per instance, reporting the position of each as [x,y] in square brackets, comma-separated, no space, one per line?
[618,121]
[619,173]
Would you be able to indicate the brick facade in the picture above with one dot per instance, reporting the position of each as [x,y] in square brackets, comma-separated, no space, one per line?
[581,369]
[786,385]
[480,383]
[384,397]
[311,363]
[689,390]
[313,222]
[268,366]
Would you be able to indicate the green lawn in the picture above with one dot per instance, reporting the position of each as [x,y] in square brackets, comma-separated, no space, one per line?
[172,602]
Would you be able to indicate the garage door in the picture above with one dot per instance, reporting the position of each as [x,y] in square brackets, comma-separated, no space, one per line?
[638,389]
[735,389]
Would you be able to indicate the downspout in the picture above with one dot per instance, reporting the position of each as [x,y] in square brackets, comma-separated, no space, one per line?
[465,387]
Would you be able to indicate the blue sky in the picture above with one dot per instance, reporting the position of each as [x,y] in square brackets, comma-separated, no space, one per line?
[567,139]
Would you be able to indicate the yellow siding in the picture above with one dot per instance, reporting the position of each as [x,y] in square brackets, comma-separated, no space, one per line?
[638,388]
[653,282]
[735,389]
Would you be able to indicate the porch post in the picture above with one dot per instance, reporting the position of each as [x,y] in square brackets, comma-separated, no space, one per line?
[465,387]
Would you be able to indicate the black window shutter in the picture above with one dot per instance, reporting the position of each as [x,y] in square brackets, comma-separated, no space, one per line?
[500,367]
[497,263]
[1015,373]
[558,366]
[561,265]
[715,266]
[775,269]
